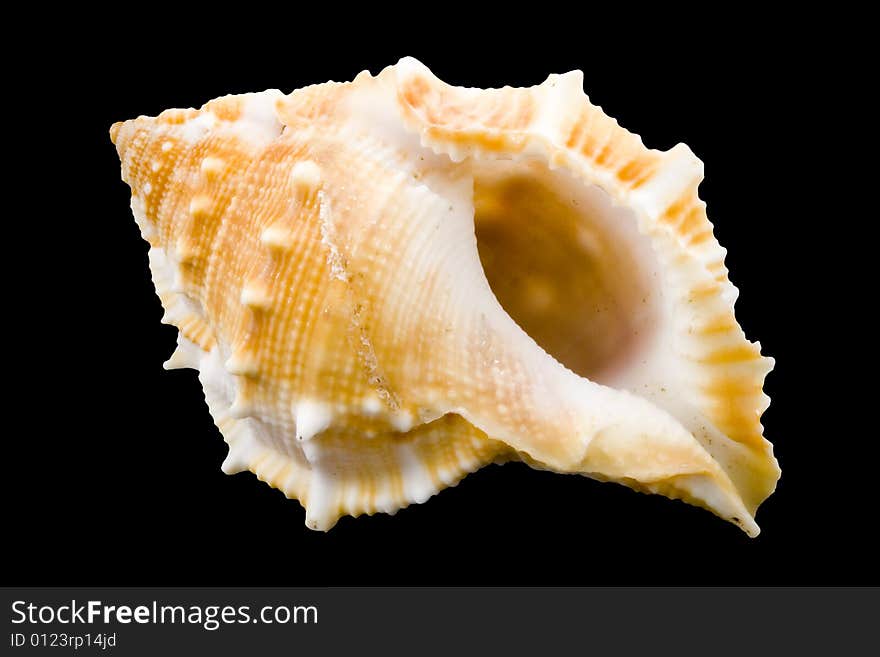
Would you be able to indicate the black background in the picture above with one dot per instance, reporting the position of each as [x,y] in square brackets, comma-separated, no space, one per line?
[113,465]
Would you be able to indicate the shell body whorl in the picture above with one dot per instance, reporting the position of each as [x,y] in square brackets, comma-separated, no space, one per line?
[359,349]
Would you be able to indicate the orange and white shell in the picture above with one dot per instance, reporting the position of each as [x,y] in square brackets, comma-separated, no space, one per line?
[389,283]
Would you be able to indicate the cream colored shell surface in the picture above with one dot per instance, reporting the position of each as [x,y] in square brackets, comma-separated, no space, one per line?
[317,253]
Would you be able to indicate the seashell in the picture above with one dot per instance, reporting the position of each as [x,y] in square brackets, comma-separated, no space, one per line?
[387,284]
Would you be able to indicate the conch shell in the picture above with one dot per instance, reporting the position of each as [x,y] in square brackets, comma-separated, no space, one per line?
[367,275]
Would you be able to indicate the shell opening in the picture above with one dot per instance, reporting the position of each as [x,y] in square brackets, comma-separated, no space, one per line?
[568,266]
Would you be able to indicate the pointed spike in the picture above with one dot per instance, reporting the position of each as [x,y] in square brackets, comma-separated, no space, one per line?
[233,463]
[402,421]
[679,171]
[187,354]
[311,419]
[305,175]
[255,295]
[185,250]
[277,236]
[212,167]
[200,207]
[241,364]
[139,210]
[177,361]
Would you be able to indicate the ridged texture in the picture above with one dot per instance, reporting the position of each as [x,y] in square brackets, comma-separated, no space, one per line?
[317,252]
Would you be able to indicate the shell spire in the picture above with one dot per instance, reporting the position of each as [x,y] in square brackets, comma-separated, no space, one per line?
[389,283]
